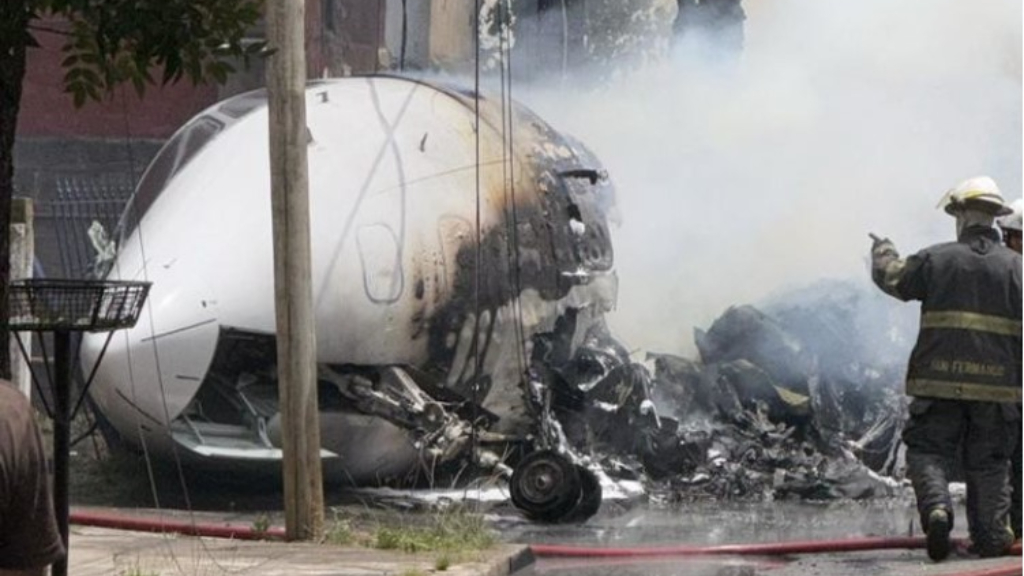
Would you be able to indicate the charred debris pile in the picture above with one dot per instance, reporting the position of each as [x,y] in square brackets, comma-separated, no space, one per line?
[798,399]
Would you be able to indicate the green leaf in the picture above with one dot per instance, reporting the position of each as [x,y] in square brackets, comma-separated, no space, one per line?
[111,42]
[90,76]
[93,91]
[78,95]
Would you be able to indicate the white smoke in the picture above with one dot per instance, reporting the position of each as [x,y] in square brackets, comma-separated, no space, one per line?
[740,177]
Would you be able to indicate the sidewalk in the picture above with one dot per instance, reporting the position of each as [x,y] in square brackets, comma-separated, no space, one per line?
[106,552]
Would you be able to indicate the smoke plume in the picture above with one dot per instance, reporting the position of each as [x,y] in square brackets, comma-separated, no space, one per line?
[742,175]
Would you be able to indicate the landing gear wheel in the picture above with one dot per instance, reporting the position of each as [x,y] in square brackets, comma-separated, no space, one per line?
[545,486]
[590,499]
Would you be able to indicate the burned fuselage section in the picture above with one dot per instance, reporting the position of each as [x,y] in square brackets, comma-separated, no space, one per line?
[447,232]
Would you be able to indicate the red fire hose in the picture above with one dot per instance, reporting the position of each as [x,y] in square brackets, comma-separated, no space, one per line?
[148,524]
[144,524]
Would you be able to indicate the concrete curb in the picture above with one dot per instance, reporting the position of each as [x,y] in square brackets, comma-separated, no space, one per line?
[518,558]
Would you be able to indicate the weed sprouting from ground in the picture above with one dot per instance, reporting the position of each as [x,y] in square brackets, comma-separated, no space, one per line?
[340,530]
[455,532]
[261,524]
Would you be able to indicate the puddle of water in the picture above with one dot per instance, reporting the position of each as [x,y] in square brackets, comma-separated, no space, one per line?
[714,523]
[651,567]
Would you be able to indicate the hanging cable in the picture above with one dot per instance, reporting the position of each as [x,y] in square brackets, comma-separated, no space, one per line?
[179,468]
[405,36]
[516,270]
[475,341]
[565,41]
[150,473]
[508,178]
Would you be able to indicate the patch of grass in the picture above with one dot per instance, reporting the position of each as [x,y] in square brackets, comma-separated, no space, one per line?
[456,532]
[339,530]
[117,479]
[442,562]
[261,524]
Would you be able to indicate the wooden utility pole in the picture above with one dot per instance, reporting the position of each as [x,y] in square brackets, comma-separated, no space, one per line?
[296,342]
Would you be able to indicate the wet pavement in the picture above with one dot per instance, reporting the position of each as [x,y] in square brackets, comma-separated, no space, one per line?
[887,563]
[714,524]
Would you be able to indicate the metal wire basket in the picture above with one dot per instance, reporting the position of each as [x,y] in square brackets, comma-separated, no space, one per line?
[76,305]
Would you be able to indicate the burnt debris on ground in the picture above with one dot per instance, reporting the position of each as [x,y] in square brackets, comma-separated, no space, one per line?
[786,401]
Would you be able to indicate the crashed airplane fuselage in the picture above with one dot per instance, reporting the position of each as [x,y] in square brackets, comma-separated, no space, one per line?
[438,251]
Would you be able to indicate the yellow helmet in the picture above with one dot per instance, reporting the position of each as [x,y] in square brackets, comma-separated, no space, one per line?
[979,193]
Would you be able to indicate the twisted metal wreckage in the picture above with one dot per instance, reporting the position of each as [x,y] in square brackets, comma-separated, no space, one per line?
[462,267]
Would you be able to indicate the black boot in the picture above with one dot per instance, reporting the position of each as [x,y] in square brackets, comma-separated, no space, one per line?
[938,534]
[996,544]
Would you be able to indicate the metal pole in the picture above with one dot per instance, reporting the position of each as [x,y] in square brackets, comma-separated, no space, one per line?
[22,252]
[61,438]
[296,345]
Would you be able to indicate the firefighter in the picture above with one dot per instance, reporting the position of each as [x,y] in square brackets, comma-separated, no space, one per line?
[1011,227]
[964,373]
[1011,224]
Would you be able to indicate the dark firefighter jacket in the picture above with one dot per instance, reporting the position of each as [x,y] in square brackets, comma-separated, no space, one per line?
[969,344]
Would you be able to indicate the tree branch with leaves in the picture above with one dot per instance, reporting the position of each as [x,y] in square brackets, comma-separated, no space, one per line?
[108,43]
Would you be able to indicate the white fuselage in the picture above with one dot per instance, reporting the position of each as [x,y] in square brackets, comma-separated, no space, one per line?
[394,196]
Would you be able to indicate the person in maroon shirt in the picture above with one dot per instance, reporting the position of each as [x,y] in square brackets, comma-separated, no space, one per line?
[29,540]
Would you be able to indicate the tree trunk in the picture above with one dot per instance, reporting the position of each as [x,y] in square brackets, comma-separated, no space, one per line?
[14,39]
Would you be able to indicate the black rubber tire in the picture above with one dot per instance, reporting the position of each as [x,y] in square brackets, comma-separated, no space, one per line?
[545,486]
[590,498]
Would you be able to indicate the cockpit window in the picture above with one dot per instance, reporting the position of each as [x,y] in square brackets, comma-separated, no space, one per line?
[168,162]
[243,103]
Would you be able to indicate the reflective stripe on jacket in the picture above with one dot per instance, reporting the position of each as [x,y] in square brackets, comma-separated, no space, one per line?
[969,344]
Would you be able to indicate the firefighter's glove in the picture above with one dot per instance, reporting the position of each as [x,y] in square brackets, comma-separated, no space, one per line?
[883,247]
